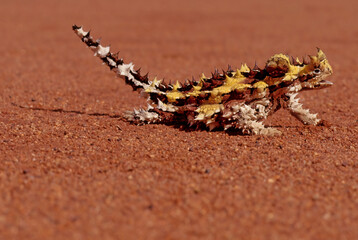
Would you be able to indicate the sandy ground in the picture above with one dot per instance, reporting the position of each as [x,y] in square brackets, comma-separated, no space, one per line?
[70,168]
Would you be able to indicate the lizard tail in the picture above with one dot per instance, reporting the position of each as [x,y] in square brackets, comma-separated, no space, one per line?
[125,71]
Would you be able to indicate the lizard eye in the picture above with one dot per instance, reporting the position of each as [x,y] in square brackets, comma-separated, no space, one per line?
[317,71]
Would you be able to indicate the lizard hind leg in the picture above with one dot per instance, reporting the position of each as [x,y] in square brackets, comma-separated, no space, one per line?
[252,127]
[142,116]
[248,120]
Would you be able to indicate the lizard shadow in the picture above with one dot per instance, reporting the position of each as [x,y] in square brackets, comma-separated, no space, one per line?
[181,126]
[68,111]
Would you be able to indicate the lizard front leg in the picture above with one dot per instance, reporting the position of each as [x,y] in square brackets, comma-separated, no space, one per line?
[304,115]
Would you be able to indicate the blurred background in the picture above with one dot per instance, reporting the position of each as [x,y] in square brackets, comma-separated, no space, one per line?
[67,174]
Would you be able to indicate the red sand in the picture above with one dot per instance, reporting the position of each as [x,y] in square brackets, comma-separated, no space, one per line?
[71,169]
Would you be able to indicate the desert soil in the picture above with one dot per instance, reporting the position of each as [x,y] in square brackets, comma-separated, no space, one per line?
[71,168]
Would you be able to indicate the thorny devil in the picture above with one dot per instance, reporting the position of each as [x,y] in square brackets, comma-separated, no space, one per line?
[238,100]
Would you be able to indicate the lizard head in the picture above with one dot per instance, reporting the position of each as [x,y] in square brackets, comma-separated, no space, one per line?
[313,74]
[310,74]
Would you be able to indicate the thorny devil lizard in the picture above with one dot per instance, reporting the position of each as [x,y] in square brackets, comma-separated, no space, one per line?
[238,100]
